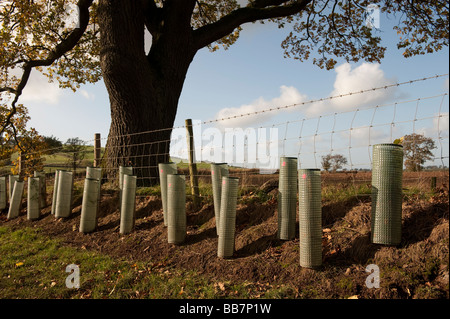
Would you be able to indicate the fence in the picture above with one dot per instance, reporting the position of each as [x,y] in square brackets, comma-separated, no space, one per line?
[253,152]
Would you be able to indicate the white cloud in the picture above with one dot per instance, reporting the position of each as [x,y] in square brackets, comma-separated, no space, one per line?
[446,85]
[87,95]
[38,89]
[288,96]
[364,77]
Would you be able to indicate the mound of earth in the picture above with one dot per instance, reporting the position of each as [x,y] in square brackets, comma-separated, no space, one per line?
[417,268]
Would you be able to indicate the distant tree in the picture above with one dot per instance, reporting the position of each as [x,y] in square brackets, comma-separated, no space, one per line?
[333,162]
[52,144]
[77,148]
[417,150]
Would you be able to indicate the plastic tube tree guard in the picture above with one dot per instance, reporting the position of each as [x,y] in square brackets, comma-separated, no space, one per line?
[2,192]
[128,205]
[42,188]
[176,208]
[96,173]
[287,198]
[123,170]
[227,228]
[55,192]
[386,220]
[164,170]
[11,180]
[310,217]
[218,170]
[16,200]
[33,198]
[89,207]
[64,194]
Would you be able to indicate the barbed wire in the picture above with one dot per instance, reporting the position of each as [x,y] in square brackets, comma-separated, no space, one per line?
[310,139]
[284,107]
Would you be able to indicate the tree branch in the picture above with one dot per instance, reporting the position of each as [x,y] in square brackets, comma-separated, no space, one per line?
[64,46]
[8,89]
[260,10]
[152,15]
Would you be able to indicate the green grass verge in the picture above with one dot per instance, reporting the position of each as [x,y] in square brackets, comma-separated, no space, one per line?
[33,265]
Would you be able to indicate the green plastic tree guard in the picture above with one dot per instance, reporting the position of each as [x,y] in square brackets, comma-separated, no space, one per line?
[128,205]
[123,170]
[33,198]
[42,188]
[16,199]
[227,228]
[218,170]
[386,220]
[164,170]
[176,208]
[11,180]
[310,217]
[55,192]
[96,173]
[89,206]
[2,192]
[64,194]
[287,198]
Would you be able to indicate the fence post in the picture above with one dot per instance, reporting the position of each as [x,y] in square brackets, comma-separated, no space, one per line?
[433,183]
[97,150]
[192,165]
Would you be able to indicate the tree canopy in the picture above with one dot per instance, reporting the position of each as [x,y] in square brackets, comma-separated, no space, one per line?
[82,41]
[417,150]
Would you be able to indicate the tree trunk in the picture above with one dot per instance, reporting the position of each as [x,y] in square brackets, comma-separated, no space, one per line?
[143,89]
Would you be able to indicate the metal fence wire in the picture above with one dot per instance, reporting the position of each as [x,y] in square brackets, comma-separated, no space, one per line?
[253,153]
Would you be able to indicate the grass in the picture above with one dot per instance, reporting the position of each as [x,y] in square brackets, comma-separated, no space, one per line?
[34,266]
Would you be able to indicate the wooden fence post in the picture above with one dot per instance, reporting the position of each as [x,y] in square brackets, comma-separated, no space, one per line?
[433,183]
[97,150]
[192,165]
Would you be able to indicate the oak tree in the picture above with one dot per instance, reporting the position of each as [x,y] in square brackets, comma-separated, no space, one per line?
[333,162]
[107,42]
[417,150]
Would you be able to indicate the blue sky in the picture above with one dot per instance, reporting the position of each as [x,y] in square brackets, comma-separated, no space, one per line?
[253,75]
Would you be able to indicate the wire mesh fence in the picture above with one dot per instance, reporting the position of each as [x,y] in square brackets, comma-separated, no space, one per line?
[252,153]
